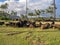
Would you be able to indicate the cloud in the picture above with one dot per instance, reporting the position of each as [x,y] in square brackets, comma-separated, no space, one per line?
[39,4]
[22,1]
[20,5]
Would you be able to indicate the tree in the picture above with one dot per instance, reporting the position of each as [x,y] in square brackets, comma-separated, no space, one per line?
[43,11]
[31,14]
[38,12]
[4,6]
[35,13]
[13,13]
[50,10]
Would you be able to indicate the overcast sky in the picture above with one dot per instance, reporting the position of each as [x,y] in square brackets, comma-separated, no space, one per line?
[20,5]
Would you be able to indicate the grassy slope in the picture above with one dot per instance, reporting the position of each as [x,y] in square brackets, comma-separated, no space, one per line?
[47,37]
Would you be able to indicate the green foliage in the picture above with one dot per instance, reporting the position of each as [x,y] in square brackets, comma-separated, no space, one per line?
[4,15]
[50,9]
[31,14]
[4,6]
[13,13]
[37,12]
[4,18]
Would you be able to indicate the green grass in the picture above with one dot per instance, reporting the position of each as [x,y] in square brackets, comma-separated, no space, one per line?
[31,36]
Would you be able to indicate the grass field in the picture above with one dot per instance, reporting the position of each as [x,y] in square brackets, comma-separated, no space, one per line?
[28,36]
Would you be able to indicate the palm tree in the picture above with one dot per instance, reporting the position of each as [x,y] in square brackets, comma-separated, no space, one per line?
[52,10]
[49,10]
[37,12]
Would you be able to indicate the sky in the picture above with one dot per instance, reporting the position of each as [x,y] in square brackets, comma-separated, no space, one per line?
[20,5]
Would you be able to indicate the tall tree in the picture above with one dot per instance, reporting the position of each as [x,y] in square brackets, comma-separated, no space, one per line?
[4,6]
[38,12]
[50,10]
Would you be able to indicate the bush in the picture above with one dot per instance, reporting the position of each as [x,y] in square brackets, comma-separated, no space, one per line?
[4,18]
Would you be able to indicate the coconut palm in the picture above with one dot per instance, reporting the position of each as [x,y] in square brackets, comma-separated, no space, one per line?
[37,12]
[50,10]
